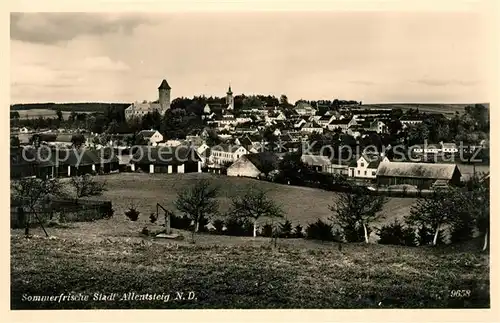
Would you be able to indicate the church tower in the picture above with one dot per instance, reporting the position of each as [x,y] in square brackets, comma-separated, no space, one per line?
[164,96]
[230,99]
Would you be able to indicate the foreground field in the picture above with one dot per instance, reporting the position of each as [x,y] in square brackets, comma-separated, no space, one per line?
[242,273]
[302,205]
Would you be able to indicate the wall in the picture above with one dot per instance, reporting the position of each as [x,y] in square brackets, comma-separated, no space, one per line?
[242,167]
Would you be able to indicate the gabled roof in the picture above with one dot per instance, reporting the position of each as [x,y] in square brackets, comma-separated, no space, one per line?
[417,170]
[164,85]
[226,148]
[315,160]
[147,133]
[263,161]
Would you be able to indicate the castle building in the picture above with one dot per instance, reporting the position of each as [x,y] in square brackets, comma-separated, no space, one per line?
[138,109]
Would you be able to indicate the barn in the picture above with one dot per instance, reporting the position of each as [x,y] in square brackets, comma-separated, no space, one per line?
[165,159]
[253,165]
[422,175]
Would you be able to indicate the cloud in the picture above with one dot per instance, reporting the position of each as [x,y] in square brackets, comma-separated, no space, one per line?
[103,64]
[53,28]
[442,82]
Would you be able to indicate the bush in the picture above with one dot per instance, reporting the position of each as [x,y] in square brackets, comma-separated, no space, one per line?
[461,230]
[397,234]
[298,231]
[145,231]
[153,218]
[180,222]
[354,233]
[267,230]
[132,214]
[218,225]
[239,227]
[286,229]
[320,230]
[424,235]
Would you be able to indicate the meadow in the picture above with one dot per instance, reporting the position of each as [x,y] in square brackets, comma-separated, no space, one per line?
[301,205]
[111,257]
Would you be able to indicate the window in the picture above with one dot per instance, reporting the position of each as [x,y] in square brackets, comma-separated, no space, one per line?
[362,164]
[373,173]
[358,172]
[365,172]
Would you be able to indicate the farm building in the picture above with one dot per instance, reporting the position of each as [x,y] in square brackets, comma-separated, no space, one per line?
[180,159]
[46,162]
[422,175]
[317,162]
[253,165]
[365,166]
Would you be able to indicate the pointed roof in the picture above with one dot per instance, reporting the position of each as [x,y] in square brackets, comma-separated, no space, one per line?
[229,90]
[164,85]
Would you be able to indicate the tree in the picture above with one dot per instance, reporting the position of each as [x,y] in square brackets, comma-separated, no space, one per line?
[355,209]
[86,185]
[255,204]
[14,142]
[78,140]
[59,114]
[32,193]
[437,210]
[198,203]
[479,204]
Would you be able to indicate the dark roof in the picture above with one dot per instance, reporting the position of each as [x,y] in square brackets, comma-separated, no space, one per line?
[263,161]
[342,121]
[164,85]
[45,156]
[417,170]
[147,133]
[164,155]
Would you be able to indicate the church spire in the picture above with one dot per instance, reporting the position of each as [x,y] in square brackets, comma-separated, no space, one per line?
[229,90]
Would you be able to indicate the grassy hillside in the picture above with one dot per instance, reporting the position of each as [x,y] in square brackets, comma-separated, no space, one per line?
[301,204]
[244,273]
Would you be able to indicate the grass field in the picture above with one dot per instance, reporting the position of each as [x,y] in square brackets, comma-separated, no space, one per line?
[302,205]
[111,256]
[45,113]
[231,272]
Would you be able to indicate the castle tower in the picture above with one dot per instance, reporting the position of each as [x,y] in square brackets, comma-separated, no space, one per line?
[230,99]
[164,96]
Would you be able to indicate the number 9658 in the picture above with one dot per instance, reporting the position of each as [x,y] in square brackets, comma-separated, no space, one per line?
[458,293]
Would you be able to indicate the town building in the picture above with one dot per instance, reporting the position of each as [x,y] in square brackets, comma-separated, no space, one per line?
[137,109]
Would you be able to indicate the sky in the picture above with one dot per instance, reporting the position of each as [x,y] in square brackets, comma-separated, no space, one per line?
[374,57]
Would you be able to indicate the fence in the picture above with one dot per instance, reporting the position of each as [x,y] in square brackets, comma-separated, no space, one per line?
[61,210]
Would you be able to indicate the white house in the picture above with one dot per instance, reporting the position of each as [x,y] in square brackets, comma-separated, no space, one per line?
[366,166]
[152,136]
[304,109]
[312,127]
[224,153]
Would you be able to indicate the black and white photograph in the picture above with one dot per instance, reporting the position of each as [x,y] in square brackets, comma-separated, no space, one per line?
[250,159]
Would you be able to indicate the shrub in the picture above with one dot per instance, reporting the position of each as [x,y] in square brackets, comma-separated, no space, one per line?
[218,225]
[397,234]
[153,218]
[180,222]
[132,214]
[320,230]
[298,231]
[424,235]
[145,231]
[267,230]
[286,229]
[239,227]
[354,233]
[109,213]
[461,230]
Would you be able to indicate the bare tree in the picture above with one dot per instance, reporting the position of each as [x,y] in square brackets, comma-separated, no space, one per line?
[255,204]
[198,202]
[86,185]
[356,208]
[33,192]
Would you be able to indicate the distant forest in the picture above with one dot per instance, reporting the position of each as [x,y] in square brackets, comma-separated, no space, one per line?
[80,107]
